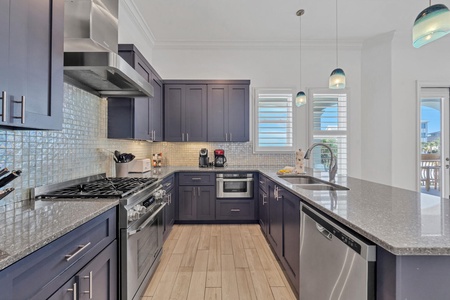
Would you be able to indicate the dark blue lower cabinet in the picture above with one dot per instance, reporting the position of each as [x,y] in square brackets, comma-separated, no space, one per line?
[97,280]
[53,270]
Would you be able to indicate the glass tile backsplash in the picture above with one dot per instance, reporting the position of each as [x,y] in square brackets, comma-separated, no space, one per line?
[82,149]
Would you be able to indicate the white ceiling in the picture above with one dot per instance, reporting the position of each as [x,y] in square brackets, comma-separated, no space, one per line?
[275,20]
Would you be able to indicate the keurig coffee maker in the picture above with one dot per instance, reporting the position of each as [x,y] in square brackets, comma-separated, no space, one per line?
[219,158]
[203,158]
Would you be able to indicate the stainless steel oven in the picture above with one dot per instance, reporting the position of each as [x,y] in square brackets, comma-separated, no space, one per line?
[234,185]
[144,240]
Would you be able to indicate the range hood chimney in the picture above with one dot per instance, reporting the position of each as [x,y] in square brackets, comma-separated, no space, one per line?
[91,59]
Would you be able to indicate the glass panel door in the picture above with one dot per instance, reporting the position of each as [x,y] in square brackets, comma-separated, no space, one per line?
[434,156]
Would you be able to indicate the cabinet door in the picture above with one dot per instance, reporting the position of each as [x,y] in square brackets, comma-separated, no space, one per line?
[4,50]
[291,236]
[173,112]
[275,220]
[238,114]
[169,212]
[35,64]
[217,113]
[142,105]
[263,207]
[98,279]
[156,110]
[187,204]
[195,112]
[206,199]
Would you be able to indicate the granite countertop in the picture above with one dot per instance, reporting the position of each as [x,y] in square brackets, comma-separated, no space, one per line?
[401,221]
[24,230]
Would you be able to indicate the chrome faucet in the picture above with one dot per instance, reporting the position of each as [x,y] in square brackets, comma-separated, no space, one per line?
[333,162]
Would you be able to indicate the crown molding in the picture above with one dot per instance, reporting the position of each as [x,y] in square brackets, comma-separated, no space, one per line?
[139,20]
[349,44]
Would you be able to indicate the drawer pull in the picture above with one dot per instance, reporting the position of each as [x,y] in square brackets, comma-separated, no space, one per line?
[264,200]
[80,249]
[22,103]
[90,285]
[235,210]
[3,106]
[196,179]
[74,290]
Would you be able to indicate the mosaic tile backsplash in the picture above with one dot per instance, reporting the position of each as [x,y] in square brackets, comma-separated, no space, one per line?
[82,149]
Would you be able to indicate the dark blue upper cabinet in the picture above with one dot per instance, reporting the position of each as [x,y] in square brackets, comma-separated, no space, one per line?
[228,113]
[32,38]
[137,118]
[206,110]
[185,112]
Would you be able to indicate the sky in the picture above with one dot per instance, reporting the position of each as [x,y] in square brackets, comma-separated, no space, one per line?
[433,117]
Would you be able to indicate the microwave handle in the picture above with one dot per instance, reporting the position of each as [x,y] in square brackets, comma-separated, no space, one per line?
[233,179]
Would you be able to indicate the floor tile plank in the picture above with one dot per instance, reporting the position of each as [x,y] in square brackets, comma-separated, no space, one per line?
[214,276]
[213,294]
[168,278]
[260,282]
[198,280]
[268,263]
[229,280]
[245,284]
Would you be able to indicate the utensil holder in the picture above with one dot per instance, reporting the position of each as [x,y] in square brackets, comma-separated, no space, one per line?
[122,169]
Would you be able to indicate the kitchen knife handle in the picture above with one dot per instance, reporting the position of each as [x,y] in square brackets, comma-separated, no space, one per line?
[3,106]
[22,103]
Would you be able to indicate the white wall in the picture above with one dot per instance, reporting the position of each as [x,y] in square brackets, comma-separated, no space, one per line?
[270,66]
[376,133]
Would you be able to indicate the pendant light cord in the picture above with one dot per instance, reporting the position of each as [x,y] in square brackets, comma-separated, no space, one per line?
[300,17]
[337,56]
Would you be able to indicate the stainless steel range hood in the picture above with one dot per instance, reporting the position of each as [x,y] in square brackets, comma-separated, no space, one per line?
[90,51]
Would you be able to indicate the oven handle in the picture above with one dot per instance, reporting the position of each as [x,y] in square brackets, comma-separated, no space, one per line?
[232,179]
[148,221]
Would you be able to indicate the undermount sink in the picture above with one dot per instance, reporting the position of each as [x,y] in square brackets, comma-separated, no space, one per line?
[312,183]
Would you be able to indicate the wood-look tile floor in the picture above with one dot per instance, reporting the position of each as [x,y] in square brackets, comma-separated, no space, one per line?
[223,262]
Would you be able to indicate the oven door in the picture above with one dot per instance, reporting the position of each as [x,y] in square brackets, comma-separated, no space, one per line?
[143,244]
[234,187]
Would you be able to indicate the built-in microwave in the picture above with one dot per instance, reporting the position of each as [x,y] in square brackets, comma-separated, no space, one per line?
[234,185]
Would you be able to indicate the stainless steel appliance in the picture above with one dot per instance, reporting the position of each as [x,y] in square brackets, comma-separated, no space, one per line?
[140,222]
[91,59]
[335,264]
[219,158]
[203,160]
[234,185]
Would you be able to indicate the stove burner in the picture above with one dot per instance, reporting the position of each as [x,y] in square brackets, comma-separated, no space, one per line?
[114,187]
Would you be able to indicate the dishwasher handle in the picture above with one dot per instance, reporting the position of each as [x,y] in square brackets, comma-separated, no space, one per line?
[324,232]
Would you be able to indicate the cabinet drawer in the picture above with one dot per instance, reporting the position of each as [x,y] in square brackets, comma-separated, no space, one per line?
[168,183]
[57,262]
[197,178]
[235,210]
[263,182]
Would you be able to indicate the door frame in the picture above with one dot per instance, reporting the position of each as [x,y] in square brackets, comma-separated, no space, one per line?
[419,85]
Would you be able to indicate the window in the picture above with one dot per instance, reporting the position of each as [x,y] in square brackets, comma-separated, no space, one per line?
[328,115]
[274,120]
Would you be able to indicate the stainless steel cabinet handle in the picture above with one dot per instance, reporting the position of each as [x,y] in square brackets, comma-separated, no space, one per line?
[196,179]
[74,290]
[235,210]
[80,249]
[199,191]
[3,106]
[90,285]
[263,199]
[194,191]
[261,182]
[22,103]
[187,137]
[182,137]
[231,137]
[226,137]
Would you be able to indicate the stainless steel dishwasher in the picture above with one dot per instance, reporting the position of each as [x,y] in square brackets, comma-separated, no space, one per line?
[334,264]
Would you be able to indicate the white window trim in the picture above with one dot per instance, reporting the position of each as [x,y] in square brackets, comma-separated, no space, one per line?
[311,92]
[284,150]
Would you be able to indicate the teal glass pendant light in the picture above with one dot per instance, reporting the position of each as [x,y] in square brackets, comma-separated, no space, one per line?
[431,24]
[337,77]
[300,99]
